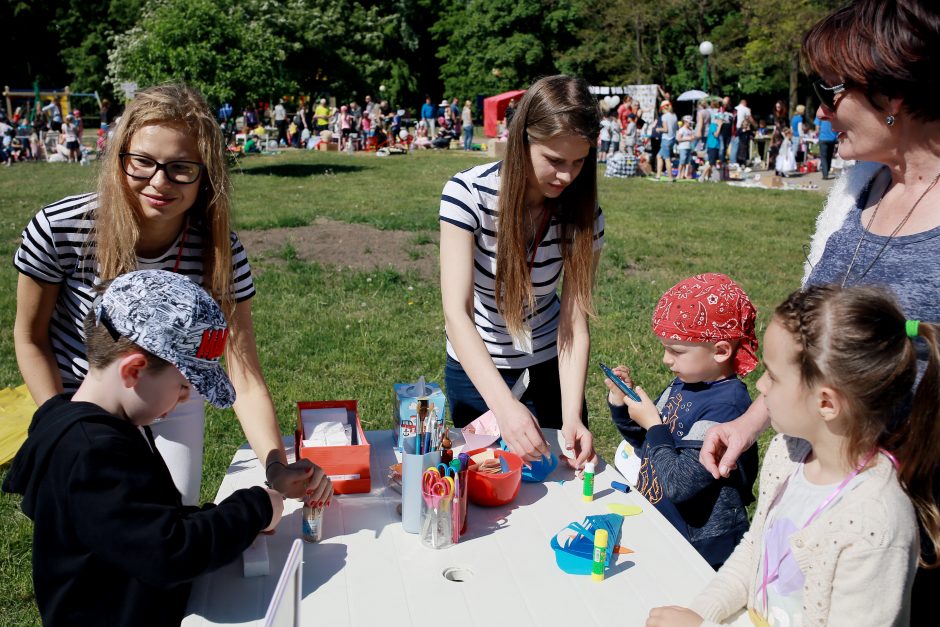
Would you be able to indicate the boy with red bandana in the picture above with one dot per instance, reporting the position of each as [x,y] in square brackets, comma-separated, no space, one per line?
[706,326]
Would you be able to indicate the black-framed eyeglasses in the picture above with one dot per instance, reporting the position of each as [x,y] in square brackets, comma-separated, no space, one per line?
[827,94]
[144,168]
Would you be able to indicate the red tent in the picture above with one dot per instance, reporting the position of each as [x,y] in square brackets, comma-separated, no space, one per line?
[494,108]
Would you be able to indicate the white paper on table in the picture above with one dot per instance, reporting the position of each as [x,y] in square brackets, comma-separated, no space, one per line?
[627,462]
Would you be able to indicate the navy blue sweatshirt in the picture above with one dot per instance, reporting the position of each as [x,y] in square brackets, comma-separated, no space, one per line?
[710,514]
[112,542]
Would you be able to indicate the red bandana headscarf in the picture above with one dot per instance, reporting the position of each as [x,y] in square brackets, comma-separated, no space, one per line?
[708,308]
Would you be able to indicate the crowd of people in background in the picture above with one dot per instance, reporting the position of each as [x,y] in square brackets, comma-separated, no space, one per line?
[43,134]
[709,142]
[713,141]
[349,125]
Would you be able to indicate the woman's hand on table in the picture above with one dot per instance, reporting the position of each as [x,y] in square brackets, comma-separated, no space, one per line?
[520,431]
[673,616]
[277,507]
[580,442]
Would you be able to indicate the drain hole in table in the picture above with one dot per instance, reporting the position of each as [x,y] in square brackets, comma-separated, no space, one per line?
[458,575]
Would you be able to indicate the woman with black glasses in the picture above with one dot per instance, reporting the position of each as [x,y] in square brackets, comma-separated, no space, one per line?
[163,202]
[876,64]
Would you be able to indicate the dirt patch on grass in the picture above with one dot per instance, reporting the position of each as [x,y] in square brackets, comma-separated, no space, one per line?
[340,244]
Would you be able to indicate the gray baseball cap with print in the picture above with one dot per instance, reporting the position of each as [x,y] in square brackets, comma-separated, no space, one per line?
[176,320]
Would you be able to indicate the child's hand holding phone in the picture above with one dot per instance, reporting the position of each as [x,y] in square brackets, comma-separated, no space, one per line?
[622,392]
[616,391]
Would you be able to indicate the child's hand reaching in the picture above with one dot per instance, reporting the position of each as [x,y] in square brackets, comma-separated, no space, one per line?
[615,395]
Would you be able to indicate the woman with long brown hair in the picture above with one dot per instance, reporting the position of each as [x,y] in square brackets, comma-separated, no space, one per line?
[163,202]
[876,65]
[509,231]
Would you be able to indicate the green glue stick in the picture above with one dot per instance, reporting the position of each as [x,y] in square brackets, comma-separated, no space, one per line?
[600,555]
[588,490]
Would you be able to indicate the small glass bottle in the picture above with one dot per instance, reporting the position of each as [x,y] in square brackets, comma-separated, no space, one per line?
[312,523]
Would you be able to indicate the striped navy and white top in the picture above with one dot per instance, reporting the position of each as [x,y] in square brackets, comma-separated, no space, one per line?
[469,201]
[55,249]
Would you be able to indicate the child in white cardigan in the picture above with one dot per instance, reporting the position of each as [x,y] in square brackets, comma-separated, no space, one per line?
[834,514]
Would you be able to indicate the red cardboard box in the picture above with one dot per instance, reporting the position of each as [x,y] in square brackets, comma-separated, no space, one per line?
[347,466]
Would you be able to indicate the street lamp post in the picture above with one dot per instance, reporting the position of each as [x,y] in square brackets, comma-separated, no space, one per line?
[705,49]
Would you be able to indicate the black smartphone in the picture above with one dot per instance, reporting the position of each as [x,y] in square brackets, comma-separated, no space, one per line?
[619,382]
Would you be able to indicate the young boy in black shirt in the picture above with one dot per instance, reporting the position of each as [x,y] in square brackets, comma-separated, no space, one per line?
[112,542]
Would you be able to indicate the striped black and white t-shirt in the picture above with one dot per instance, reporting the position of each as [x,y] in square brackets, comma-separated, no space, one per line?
[469,201]
[55,249]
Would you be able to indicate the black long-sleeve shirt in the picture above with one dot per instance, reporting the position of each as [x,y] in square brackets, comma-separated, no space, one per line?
[112,542]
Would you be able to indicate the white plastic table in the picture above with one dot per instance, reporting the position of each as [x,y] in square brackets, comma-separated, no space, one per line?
[369,571]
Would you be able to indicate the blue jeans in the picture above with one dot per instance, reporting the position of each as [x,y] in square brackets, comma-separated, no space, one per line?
[665,149]
[468,137]
[542,398]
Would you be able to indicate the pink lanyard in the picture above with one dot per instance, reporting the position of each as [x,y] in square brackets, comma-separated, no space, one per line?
[769,578]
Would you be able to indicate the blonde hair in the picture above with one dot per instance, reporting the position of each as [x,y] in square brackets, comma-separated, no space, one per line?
[117,218]
[553,106]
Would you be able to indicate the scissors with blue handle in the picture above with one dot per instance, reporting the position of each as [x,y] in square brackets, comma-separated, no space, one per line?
[445,470]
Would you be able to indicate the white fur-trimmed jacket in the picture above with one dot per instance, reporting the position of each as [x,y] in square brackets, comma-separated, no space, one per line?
[842,199]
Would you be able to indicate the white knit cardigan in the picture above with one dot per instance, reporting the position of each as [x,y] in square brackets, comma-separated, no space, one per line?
[858,557]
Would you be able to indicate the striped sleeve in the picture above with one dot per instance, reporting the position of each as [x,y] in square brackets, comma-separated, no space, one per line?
[599,229]
[243,286]
[37,256]
[459,205]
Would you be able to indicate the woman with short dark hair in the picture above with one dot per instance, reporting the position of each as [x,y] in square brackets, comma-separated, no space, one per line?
[876,65]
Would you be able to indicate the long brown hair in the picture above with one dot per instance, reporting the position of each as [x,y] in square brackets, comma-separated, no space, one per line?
[855,340]
[117,219]
[890,47]
[552,106]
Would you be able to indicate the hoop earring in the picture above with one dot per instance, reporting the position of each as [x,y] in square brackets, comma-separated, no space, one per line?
[889,120]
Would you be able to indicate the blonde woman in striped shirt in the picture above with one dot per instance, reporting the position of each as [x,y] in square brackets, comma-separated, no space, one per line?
[163,202]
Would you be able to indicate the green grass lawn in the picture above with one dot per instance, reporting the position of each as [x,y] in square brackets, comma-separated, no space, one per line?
[328,334]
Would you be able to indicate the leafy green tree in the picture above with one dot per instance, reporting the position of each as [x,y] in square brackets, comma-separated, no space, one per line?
[770,56]
[224,48]
[86,29]
[31,45]
[490,46]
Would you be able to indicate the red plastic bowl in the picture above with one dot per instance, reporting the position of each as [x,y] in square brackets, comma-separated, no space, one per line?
[494,490]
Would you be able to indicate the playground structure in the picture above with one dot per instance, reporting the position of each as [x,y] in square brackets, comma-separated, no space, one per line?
[29,97]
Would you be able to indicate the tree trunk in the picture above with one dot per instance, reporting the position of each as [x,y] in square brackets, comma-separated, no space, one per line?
[794,78]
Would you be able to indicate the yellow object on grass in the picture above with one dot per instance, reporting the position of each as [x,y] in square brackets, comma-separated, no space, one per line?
[16,411]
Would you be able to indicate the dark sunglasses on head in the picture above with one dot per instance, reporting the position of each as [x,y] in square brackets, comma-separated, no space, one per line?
[145,168]
[827,94]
